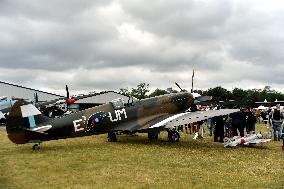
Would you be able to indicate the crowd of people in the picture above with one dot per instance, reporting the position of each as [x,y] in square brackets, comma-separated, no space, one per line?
[243,122]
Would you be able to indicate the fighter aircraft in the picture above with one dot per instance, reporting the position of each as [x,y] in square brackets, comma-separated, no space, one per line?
[247,140]
[52,108]
[26,124]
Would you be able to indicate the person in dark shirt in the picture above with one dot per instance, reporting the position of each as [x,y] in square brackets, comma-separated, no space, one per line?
[238,123]
[219,128]
[263,115]
[277,120]
[250,120]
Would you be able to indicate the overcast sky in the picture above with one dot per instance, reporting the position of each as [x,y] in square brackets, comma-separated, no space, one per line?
[111,44]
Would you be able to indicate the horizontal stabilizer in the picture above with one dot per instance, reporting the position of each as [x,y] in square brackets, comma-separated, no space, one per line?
[42,129]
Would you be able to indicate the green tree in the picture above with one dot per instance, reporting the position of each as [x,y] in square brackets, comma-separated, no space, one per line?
[124,91]
[219,94]
[239,94]
[140,91]
[158,92]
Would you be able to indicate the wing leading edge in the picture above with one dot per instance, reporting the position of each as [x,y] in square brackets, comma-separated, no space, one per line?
[191,117]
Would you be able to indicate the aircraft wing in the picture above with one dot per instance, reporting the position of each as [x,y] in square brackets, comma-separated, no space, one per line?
[167,121]
[141,124]
[190,117]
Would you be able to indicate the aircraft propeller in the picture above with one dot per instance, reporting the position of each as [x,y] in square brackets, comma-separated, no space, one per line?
[181,90]
[67,91]
[36,98]
[197,97]
[69,100]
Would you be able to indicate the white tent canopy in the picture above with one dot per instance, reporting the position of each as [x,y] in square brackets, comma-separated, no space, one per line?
[262,108]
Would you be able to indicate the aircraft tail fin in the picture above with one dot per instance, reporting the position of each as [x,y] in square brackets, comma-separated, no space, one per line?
[24,116]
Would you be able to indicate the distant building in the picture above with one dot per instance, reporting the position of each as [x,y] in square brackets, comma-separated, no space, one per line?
[16,91]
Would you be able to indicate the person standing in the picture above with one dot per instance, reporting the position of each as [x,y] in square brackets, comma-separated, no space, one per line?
[238,123]
[219,128]
[283,138]
[210,126]
[276,116]
[250,120]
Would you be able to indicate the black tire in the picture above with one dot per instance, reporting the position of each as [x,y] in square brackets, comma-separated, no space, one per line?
[2,121]
[36,147]
[173,136]
[111,137]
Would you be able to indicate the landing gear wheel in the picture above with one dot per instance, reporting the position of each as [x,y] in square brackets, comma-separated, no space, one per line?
[173,136]
[153,136]
[111,137]
[36,147]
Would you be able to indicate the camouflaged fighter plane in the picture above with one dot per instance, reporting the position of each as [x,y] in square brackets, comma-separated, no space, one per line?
[26,124]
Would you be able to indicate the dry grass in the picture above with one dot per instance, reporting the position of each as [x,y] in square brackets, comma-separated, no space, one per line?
[136,162]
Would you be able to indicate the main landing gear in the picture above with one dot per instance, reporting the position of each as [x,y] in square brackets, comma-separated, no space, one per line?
[173,136]
[36,146]
[111,137]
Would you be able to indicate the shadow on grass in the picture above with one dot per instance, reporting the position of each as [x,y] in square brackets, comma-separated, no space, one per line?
[189,143]
[67,145]
[6,182]
[126,140]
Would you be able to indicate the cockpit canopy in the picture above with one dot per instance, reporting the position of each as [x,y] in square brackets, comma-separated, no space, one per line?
[118,103]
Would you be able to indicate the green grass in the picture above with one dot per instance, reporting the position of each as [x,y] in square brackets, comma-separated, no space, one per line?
[136,162]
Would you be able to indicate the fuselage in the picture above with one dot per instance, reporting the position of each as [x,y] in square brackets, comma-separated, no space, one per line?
[101,119]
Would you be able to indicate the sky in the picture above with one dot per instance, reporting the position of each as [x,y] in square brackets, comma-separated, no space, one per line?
[112,44]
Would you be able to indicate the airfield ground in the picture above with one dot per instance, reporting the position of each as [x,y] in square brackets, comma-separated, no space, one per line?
[136,162]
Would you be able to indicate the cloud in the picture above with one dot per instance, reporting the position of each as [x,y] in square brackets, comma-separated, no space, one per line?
[102,45]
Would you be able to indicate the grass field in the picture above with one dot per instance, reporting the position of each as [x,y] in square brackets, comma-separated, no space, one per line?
[136,162]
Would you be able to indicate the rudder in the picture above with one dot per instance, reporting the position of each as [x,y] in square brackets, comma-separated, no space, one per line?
[23,116]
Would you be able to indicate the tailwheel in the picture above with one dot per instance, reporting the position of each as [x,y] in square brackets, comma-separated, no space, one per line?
[111,137]
[36,146]
[153,135]
[173,136]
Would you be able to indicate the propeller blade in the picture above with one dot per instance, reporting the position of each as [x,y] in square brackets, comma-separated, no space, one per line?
[178,86]
[36,98]
[67,91]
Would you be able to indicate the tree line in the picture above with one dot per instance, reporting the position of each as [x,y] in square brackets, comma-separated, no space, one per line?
[240,96]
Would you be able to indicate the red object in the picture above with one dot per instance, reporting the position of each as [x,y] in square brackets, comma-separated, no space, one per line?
[242,141]
[70,101]
[283,147]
